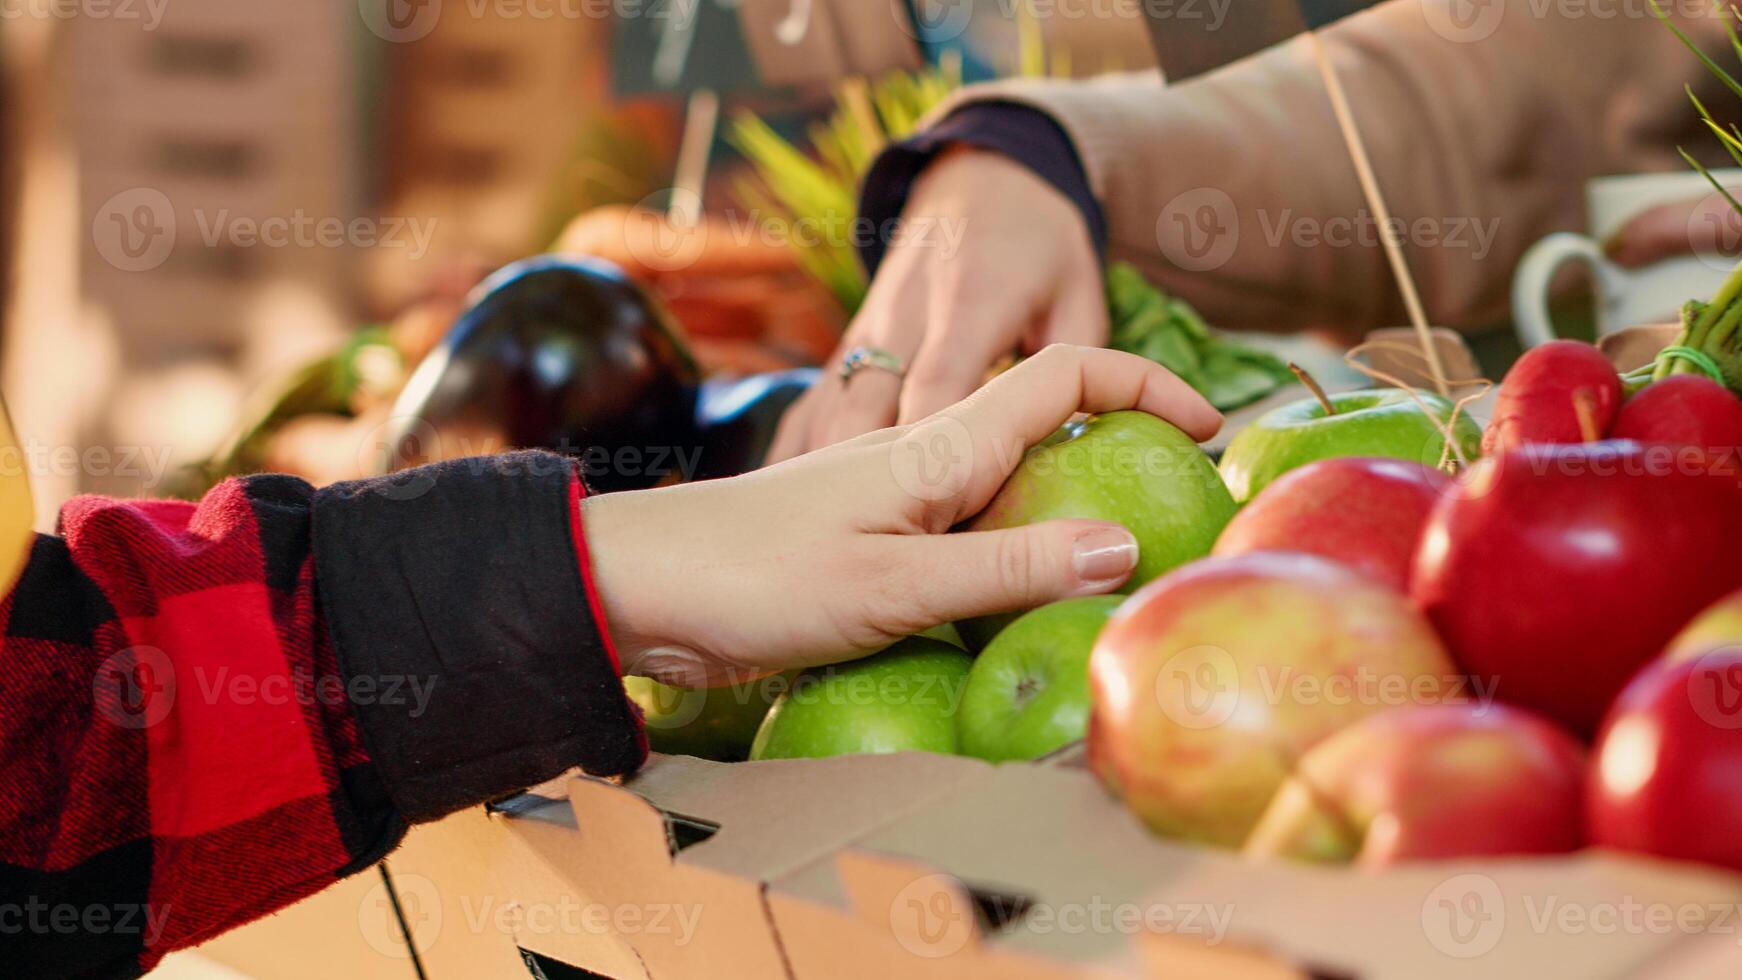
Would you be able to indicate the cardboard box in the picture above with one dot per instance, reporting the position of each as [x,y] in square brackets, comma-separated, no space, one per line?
[680,855]
[459,885]
[1034,871]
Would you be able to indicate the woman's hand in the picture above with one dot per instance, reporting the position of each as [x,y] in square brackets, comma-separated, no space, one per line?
[843,551]
[992,260]
[1704,225]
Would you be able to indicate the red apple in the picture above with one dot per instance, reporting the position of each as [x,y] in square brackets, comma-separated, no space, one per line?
[1716,628]
[1555,572]
[1539,398]
[1666,777]
[1684,410]
[1364,512]
[1430,783]
[1210,682]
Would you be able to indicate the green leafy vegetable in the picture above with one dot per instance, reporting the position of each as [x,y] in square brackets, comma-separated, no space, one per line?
[1711,338]
[1150,323]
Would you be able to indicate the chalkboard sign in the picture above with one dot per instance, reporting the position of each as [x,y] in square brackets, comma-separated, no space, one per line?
[680,46]
[734,46]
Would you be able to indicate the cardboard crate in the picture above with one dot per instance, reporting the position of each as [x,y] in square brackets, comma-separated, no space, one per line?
[1037,872]
[458,883]
[932,866]
[687,848]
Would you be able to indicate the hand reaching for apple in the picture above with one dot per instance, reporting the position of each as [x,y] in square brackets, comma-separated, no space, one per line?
[1027,277]
[842,551]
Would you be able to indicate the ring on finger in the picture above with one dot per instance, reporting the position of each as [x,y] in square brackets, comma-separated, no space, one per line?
[873,358]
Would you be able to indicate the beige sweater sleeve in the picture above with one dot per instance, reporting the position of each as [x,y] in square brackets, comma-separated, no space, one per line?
[1235,191]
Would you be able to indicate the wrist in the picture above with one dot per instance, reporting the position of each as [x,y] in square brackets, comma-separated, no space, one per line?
[612,561]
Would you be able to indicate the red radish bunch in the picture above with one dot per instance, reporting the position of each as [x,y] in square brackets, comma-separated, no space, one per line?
[1544,394]
[1567,392]
[1682,410]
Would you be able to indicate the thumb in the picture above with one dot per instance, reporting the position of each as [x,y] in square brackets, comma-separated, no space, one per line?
[976,573]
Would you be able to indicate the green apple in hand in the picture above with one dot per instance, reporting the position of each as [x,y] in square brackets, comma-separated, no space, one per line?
[903,699]
[1130,468]
[1028,693]
[1377,422]
[717,723]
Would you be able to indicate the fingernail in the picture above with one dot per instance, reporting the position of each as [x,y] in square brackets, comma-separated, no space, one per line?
[1104,556]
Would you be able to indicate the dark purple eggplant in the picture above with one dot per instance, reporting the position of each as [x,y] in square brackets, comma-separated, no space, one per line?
[563,353]
[738,418]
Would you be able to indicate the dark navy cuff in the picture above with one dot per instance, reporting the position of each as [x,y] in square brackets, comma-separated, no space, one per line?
[1022,133]
[466,577]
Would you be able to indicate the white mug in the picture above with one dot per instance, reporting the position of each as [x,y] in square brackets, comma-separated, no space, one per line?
[1625,297]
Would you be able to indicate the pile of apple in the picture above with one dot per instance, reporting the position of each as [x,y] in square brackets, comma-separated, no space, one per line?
[1384,663]
[1333,649]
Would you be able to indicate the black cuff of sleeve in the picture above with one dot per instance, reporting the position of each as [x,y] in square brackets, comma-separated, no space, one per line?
[1022,133]
[454,597]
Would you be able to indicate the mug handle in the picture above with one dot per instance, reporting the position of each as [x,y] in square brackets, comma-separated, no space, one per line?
[1536,272]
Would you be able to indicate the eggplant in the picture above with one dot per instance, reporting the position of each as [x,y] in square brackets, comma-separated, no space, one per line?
[563,353]
[738,418]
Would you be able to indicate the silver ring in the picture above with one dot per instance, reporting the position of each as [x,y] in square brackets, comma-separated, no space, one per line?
[860,358]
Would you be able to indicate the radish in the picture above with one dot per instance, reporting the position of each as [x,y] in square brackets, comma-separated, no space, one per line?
[1683,410]
[1546,393]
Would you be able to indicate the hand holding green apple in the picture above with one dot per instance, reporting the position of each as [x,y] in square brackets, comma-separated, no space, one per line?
[1129,468]
[843,551]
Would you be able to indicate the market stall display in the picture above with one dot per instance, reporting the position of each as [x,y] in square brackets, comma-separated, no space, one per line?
[1378,665]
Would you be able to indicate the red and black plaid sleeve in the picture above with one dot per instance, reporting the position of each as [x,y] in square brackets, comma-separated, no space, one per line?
[209,711]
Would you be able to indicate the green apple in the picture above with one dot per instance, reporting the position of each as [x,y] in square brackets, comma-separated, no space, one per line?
[903,699]
[1028,693]
[1376,422]
[717,723]
[1127,467]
